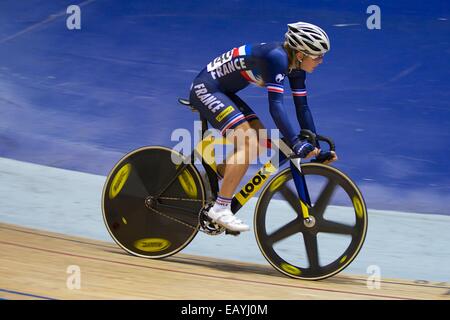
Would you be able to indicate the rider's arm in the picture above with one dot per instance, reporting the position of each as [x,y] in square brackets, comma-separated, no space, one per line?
[304,115]
[274,80]
[280,115]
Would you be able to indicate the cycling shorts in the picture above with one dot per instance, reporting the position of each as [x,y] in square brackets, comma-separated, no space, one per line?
[223,110]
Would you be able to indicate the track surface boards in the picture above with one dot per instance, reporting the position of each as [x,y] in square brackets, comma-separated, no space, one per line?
[34,264]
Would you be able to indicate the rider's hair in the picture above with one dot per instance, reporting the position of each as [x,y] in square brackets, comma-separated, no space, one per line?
[293,61]
[260,82]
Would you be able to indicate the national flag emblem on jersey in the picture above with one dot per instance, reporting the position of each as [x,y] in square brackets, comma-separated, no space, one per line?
[246,50]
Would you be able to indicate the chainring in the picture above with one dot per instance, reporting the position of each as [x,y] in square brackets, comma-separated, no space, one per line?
[206,223]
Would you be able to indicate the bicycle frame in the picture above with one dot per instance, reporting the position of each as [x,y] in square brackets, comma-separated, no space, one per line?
[284,155]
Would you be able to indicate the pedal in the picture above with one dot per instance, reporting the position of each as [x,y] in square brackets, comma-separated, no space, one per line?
[233,233]
[206,223]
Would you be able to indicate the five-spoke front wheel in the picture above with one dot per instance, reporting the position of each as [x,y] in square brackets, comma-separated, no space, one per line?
[326,243]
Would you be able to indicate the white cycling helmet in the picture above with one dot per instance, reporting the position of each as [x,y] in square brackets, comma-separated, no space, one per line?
[307,38]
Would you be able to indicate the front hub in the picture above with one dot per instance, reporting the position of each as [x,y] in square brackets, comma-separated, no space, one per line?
[309,222]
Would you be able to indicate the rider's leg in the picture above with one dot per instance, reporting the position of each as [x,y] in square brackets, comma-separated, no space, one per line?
[245,141]
[225,111]
[256,125]
[250,116]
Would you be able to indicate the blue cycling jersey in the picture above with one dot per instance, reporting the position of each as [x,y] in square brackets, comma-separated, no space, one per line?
[264,65]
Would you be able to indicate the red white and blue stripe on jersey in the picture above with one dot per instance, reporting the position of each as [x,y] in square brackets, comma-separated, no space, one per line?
[234,121]
[274,87]
[246,50]
[299,92]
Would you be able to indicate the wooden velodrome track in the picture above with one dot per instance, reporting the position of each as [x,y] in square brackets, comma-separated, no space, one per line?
[34,264]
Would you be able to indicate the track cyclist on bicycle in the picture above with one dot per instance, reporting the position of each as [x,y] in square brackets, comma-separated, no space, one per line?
[213,93]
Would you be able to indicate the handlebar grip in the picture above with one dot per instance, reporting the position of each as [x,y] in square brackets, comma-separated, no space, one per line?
[308,135]
[313,138]
[328,141]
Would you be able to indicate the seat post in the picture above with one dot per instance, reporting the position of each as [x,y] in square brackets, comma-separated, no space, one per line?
[204,125]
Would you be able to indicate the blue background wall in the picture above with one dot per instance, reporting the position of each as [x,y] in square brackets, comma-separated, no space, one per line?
[80,99]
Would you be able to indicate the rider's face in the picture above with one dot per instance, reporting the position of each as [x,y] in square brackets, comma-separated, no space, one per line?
[309,63]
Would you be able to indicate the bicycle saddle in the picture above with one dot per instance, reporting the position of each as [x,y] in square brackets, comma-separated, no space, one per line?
[186,102]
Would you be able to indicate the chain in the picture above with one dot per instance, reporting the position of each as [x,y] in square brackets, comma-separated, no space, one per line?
[182,199]
[175,219]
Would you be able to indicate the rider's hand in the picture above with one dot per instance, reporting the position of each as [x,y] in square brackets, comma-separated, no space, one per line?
[326,157]
[304,149]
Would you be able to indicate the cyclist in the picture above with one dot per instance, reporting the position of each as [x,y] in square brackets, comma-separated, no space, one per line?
[213,93]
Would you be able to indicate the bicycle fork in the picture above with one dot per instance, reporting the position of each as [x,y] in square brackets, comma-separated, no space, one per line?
[298,177]
[302,190]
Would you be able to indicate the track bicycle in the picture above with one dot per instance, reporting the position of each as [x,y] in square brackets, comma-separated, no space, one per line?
[310,220]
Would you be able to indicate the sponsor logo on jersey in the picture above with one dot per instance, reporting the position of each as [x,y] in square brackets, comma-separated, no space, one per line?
[217,62]
[279,78]
[224,113]
[207,98]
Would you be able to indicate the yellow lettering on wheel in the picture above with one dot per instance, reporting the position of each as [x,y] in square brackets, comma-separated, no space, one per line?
[152,244]
[358,207]
[119,180]
[290,269]
[188,184]
[278,182]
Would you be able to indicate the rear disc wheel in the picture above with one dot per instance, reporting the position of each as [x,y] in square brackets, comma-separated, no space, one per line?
[151,201]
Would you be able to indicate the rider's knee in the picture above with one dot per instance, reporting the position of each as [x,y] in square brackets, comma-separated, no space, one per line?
[245,136]
[245,141]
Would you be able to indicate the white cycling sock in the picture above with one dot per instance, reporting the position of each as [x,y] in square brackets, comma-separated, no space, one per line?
[222,203]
